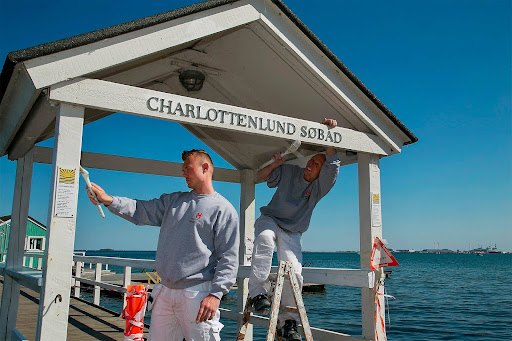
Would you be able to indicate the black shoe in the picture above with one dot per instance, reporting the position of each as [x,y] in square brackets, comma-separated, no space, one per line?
[260,303]
[290,332]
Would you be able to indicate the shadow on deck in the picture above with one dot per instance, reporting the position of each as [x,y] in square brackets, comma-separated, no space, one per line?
[85,322]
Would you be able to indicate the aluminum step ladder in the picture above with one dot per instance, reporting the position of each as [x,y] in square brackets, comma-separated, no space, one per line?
[285,270]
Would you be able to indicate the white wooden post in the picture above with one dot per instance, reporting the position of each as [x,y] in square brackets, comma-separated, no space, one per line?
[78,273]
[370,226]
[18,231]
[127,278]
[97,278]
[247,215]
[60,235]
[39,263]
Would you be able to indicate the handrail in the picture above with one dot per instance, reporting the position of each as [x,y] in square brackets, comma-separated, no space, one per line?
[341,277]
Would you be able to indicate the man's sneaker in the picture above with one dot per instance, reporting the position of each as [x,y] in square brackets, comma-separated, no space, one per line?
[260,303]
[290,332]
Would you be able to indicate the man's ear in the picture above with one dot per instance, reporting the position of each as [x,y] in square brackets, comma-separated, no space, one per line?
[205,166]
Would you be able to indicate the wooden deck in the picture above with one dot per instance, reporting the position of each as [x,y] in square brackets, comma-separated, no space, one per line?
[86,322]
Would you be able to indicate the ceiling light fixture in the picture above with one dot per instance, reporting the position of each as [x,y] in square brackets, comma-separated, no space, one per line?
[192,80]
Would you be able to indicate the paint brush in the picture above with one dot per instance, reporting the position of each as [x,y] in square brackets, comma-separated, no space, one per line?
[85,175]
[292,148]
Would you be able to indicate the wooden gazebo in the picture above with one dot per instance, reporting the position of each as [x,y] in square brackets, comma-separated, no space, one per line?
[268,81]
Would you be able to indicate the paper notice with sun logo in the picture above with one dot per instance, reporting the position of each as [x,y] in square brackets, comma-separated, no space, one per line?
[65,193]
[376,215]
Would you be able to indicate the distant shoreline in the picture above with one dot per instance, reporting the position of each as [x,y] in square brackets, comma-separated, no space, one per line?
[443,251]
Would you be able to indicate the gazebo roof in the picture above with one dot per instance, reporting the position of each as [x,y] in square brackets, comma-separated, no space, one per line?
[256,54]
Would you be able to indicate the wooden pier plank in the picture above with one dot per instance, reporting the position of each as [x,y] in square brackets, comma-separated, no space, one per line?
[85,322]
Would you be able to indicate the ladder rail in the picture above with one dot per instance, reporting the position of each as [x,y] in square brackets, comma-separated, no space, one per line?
[285,270]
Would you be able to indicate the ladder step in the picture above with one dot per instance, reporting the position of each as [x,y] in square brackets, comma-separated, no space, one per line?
[288,309]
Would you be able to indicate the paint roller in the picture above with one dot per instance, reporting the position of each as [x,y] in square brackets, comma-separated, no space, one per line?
[85,175]
[291,149]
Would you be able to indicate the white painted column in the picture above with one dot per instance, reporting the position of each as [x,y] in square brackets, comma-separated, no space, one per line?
[370,226]
[97,278]
[60,235]
[78,273]
[17,234]
[127,279]
[247,217]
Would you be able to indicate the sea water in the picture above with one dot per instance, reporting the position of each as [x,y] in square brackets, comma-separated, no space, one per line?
[437,297]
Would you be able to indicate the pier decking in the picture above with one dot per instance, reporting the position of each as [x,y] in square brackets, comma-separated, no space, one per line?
[85,322]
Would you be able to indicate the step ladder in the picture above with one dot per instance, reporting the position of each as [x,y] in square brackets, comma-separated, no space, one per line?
[285,271]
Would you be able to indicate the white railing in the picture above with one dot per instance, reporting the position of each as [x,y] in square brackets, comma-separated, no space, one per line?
[341,277]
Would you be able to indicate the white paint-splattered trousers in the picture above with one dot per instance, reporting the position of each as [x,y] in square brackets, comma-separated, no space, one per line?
[268,235]
[174,313]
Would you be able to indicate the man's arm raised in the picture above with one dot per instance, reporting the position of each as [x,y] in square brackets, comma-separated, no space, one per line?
[264,173]
[331,123]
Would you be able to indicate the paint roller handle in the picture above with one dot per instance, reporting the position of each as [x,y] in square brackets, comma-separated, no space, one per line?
[85,175]
[98,205]
[269,162]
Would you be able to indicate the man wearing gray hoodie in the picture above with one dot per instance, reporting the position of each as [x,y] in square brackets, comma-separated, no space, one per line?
[197,253]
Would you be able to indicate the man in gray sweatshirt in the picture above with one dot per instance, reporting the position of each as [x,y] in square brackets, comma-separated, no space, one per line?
[283,221]
[197,254]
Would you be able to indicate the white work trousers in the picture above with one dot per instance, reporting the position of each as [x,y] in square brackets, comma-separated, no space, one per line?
[268,234]
[173,317]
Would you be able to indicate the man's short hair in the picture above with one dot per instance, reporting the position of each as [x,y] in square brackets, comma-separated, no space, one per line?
[187,153]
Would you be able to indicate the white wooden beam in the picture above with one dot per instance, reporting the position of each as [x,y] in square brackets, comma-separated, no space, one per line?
[343,277]
[60,235]
[132,100]
[247,218]
[17,233]
[147,42]
[33,127]
[16,103]
[134,165]
[29,278]
[370,226]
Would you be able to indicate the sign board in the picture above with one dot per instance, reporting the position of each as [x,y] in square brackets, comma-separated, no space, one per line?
[65,193]
[381,256]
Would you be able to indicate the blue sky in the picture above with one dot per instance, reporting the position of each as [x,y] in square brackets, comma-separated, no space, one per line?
[443,67]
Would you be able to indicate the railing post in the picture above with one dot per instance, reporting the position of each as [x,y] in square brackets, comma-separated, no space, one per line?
[247,215]
[78,274]
[39,263]
[31,262]
[127,278]
[97,278]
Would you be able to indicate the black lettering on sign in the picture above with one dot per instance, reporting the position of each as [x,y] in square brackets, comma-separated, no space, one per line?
[303,131]
[290,128]
[190,110]
[148,103]
[178,108]
[212,114]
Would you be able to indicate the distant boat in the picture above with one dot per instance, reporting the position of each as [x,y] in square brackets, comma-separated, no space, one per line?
[479,253]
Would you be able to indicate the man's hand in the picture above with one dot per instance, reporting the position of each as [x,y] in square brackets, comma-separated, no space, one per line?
[209,306]
[330,122]
[278,159]
[103,197]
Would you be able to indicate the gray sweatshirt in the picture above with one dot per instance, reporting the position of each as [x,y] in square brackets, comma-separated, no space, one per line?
[293,202]
[198,239]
